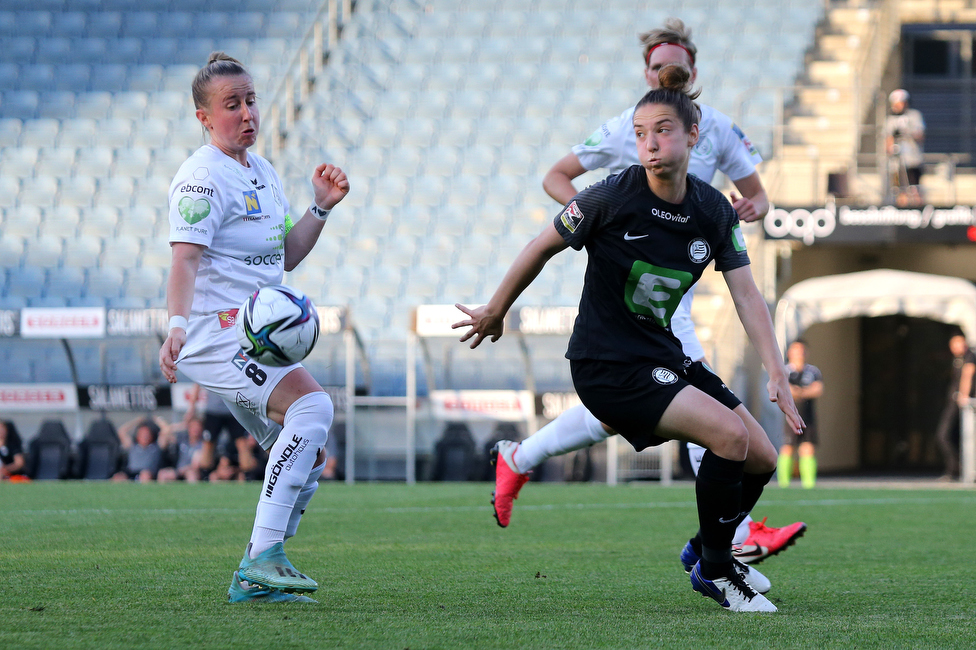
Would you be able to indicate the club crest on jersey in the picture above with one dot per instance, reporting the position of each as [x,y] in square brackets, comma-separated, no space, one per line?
[664,376]
[704,146]
[251,202]
[699,250]
[571,217]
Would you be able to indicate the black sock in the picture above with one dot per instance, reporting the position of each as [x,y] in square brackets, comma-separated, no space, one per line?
[752,489]
[696,543]
[719,493]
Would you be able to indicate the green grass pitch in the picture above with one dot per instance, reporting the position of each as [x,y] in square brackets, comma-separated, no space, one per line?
[102,565]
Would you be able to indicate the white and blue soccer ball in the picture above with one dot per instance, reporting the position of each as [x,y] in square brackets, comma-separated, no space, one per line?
[277,325]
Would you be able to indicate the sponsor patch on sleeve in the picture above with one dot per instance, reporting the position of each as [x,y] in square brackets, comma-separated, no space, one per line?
[193,210]
[746,142]
[597,136]
[571,217]
[738,241]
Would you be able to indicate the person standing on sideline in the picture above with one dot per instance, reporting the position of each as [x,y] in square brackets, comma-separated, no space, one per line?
[231,232]
[960,390]
[721,146]
[806,385]
[904,137]
[649,233]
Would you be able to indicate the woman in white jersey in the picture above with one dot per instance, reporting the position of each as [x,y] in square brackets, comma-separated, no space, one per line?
[231,232]
[721,146]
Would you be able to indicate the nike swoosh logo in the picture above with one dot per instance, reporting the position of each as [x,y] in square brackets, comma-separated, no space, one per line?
[726,521]
[629,237]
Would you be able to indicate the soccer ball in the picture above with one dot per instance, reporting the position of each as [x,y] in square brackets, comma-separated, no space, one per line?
[277,325]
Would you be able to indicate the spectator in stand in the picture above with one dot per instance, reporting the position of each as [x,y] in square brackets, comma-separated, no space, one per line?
[186,449]
[12,462]
[252,468]
[144,456]
[218,419]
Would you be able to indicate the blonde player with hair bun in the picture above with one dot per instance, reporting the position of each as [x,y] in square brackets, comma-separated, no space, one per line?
[231,231]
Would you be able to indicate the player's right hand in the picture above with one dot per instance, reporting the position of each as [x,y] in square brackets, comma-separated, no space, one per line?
[170,352]
[483,324]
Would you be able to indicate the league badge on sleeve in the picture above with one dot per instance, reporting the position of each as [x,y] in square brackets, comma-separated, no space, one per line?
[571,217]
[746,142]
[738,240]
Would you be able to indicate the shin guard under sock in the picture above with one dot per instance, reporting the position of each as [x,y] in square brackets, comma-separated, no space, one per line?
[719,493]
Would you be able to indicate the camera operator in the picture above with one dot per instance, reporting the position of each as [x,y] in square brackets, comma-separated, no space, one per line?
[904,134]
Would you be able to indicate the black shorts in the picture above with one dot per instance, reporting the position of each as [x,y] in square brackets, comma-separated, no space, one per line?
[214,423]
[631,396]
[809,435]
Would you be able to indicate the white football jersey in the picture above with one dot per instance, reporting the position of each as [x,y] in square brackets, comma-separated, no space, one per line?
[721,146]
[238,213]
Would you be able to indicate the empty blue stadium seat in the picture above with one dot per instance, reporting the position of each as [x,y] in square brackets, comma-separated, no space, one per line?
[104,24]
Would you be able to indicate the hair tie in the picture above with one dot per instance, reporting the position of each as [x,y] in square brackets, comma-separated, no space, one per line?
[647,57]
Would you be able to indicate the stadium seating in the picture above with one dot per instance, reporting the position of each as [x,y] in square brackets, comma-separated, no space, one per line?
[99,452]
[49,453]
[445,118]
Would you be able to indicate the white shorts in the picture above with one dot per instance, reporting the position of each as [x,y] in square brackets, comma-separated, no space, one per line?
[213,358]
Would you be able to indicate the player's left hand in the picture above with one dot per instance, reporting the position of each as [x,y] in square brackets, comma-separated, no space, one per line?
[779,392]
[330,185]
[745,208]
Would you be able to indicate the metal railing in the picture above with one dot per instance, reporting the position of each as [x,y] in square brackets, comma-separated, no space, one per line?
[298,78]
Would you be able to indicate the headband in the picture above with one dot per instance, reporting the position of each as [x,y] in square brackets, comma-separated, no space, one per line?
[647,57]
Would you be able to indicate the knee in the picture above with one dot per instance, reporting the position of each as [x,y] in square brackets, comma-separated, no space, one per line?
[734,440]
[315,413]
[763,458]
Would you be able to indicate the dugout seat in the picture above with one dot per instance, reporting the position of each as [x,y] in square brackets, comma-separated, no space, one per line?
[49,453]
[99,452]
[455,456]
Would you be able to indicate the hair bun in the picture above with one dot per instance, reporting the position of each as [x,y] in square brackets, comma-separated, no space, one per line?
[674,76]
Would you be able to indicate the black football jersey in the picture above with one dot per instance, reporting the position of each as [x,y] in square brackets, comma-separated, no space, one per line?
[644,254]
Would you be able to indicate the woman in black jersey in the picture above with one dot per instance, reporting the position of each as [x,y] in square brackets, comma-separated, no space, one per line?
[649,232]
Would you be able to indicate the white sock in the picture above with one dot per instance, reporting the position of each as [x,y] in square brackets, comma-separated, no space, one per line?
[304,496]
[573,429]
[262,539]
[695,453]
[741,532]
[290,461]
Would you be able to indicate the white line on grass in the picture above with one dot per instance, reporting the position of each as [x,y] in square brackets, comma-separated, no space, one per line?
[109,512]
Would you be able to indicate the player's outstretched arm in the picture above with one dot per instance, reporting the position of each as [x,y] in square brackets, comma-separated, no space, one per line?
[330,186]
[179,299]
[558,181]
[488,320]
[754,315]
